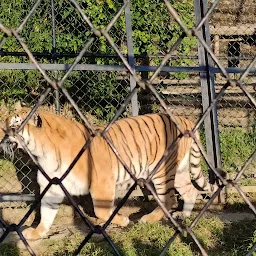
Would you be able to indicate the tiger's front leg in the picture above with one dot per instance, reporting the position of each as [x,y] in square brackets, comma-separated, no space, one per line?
[49,207]
[103,197]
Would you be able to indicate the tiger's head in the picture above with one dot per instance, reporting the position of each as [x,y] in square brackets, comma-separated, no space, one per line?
[8,136]
[42,133]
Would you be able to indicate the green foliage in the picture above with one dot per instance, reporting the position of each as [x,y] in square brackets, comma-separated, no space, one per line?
[154,31]
[98,93]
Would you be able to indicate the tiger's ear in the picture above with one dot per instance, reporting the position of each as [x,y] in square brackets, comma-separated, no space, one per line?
[2,134]
[2,124]
[17,106]
[37,120]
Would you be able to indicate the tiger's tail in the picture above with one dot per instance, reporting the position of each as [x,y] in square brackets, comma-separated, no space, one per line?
[199,180]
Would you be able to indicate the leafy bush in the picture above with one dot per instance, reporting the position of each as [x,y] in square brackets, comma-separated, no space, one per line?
[154,31]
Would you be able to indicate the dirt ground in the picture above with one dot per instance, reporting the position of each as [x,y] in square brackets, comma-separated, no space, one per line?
[69,223]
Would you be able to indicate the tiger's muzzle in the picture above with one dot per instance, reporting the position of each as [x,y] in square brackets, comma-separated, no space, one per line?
[7,145]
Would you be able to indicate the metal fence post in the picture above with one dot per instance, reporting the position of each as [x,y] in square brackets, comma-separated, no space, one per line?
[208,90]
[56,91]
[128,21]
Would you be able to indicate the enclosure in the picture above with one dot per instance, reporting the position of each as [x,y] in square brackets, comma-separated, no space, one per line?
[97,61]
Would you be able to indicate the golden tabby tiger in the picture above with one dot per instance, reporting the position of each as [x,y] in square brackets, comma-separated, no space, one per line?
[140,141]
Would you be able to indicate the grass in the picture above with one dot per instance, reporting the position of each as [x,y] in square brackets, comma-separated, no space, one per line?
[217,237]
[9,250]
[236,147]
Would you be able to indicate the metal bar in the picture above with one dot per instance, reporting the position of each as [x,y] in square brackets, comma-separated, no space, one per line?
[120,204]
[177,17]
[82,244]
[25,242]
[91,67]
[23,22]
[242,194]
[208,49]
[87,123]
[56,90]
[78,58]
[164,251]
[211,105]
[167,57]
[208,90]
[154,194]
[57,97]
[76,207]
[111,243]
[95,67]
[33,60]
[101,55]
[244,167]
[203,210]
[247,70]
[205,18]
[16,198]
[70,55]
[131,61]
[203,251]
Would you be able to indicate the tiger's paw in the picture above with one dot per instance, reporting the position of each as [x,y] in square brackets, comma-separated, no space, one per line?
[125,221]
[181,215]
[121,221]
[32,233]
[178,215]
[148,218]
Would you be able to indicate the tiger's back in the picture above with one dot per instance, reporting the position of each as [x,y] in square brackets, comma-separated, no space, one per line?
[141,142]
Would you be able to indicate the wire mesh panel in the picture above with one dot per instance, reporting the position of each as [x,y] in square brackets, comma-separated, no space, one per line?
[100,99]
[233,41]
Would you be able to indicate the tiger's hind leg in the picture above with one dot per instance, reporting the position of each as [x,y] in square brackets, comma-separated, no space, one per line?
[165,190]
[185,187]
[188,194]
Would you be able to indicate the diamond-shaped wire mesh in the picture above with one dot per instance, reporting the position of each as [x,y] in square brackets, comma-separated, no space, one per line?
[233,32]
[105,96]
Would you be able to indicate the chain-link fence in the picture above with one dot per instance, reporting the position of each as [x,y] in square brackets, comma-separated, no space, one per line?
[104,60]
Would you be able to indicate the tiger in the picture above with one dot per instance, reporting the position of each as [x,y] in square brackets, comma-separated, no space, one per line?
[141,141]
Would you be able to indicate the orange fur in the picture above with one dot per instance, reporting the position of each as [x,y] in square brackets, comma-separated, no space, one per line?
[140,141]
